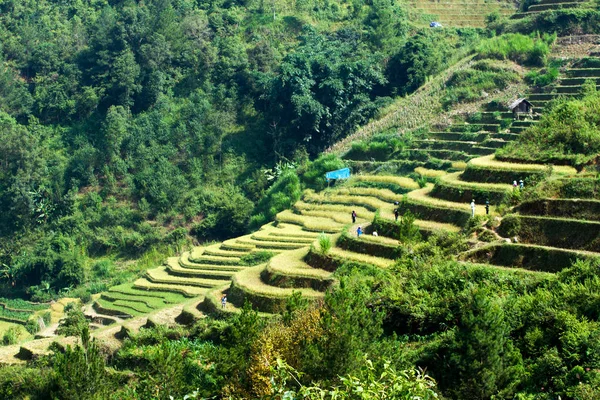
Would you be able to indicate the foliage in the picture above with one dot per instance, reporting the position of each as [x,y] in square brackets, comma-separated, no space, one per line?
[281,196]
[324,243]
[325,90]
[567,134]
[484,76]
[542,78]
[424,55]
[522,49]
[256,257]
[313,174]
[74,323]
[79,373]
[371,385]
[11,336]
[408,231]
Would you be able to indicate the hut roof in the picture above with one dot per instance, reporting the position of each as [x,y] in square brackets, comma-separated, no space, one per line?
[516,103]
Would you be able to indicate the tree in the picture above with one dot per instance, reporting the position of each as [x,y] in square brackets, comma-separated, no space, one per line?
[324,91]
[79,372]
[421,56]
[484,360]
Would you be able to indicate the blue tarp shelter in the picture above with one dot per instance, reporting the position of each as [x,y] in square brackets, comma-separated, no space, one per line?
[343,173]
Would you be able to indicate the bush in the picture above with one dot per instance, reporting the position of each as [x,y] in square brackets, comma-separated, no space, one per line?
[256,258]
[281,196]
[542,78]
[484,76]
[103,268]
[11,336]
[32,326]
[568,134]
[525,50]
[313,174]
[324,243]
[511,226]
[73,324]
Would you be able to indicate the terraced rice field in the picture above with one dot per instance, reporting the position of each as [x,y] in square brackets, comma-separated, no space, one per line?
[551,5]
[465,13]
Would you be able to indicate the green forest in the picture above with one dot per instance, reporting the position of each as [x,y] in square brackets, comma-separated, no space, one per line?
[167,231]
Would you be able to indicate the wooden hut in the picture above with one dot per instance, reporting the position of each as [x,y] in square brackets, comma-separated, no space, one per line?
[521,107]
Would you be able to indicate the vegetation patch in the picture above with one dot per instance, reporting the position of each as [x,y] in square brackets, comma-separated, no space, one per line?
[563,208]
[555,232]
[531,257]
[568,134]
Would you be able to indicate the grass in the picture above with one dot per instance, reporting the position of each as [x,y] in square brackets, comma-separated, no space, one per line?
[453,180]
[216,260]
[249,281]
[160,275]
[183,262]
[272,245]
[314,224]
[142,305]
[340,217]
[174,268]
[489,162]
[359,257]
[5,326]
[184,290]
[106,307]
[404,182]
[167,297]
[422,197]
[22,305]
[267,237]
[361,212]
[459,165]
[291,264]
[430,173]
[436,226]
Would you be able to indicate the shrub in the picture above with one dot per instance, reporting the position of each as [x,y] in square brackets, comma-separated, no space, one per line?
[568,134]
[511,226]
[542,78]
[11,336]
[32,326]
[525,50]
[103,268]
[313,176]
[73,324]
[324,243]
[484,76]
[281,196]
[256,258]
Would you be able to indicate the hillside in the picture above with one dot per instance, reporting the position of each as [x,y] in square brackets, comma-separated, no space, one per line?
[197,173]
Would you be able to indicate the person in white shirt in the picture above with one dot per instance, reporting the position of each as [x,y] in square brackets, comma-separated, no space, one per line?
[473,208]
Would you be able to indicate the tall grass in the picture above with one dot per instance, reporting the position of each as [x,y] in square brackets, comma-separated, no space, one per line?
[324,243]
[525,50]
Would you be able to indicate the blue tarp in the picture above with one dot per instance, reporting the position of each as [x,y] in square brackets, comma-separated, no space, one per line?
[343,173]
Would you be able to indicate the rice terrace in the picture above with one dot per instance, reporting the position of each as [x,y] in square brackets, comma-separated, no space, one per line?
[316,199]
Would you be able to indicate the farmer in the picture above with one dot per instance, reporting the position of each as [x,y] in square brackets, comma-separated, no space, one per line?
[521,184]
[473,207]
[514,184]
[487,207]
[375,233]
[359,231]
[223,301]
[353,216]
[396,213]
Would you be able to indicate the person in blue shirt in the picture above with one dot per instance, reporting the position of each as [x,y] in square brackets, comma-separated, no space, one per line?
[359,231]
